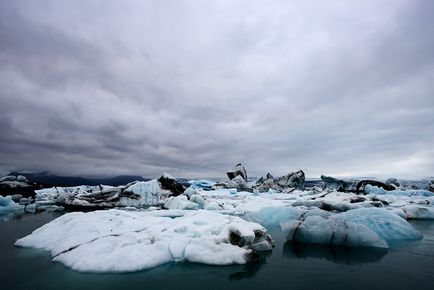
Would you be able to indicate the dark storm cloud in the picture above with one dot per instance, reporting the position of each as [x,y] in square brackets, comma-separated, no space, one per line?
[192,87]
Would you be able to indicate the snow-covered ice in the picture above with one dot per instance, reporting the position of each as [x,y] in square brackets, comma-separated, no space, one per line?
[125,241]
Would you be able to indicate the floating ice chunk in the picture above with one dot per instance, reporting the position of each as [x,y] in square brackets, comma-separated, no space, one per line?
[202,184]
[124,241]
[198,199]
[8,205]
[385,223]
[238,170]
[139,194]
[286,183]
[150,193]
[419,212]
[237,183]
[369,189]
[8,178]
[330,231]
[274,216]
[180,202]
[31,208]
[22,178]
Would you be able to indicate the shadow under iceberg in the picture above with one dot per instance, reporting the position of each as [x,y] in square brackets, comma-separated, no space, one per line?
[335,254]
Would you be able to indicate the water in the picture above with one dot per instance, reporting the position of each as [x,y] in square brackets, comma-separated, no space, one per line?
[289,266]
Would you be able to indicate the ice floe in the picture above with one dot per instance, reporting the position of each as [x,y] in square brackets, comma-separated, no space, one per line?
[124,241]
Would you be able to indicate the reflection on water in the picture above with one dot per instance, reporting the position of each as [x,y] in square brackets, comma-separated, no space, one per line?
[251,269]
[335,254]
[289,266]
[6,216]
[14,216]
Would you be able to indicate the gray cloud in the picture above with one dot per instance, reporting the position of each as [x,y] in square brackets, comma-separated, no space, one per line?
[141,87]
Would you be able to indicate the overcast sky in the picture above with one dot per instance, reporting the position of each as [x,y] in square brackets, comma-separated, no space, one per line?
[193,87]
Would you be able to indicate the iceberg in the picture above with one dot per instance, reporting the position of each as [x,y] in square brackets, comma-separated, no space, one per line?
[286,183]
[138,194]
[388,225]
[353,185]
[12,181]
[148,193]
[363,227]
[125,241]
[418,212]
[202,184]
[236,183]
[319,230]
[370,189]
[8,205]
[238,170]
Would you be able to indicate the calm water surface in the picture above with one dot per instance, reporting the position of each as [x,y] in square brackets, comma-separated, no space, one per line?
[407,265]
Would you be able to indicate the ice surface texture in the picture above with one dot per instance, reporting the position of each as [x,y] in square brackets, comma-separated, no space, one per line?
[123,241]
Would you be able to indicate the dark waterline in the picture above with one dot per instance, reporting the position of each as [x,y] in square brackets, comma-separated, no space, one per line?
[290,266]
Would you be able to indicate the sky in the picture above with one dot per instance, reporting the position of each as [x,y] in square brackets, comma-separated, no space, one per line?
[99,88]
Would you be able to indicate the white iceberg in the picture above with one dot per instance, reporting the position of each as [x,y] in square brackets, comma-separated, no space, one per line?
[150,193]
[125,241]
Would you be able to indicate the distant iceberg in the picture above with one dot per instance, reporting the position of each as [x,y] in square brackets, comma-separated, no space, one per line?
[8,205]
[137,194]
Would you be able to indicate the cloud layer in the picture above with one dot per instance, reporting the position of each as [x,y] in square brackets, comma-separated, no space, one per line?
[193,87]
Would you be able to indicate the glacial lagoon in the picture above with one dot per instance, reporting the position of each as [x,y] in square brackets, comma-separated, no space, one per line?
[406,264]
